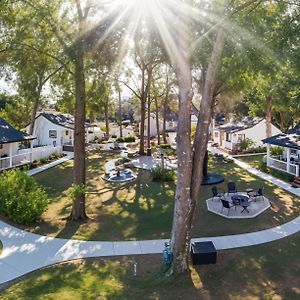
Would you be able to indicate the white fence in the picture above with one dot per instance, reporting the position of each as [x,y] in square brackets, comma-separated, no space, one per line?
[25,156]
[282,166]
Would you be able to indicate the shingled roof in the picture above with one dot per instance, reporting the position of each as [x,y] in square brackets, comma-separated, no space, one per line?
[63,120]
[289,140]
[240,124]
[9,134]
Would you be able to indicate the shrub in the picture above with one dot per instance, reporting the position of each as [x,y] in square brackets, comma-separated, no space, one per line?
[21,199]
[259,149]
[162,174]
[120,140]
[276,151]
[276,173]
[74,190]
[114,136]
[122,160]
[129,139]
[245,144]
[165,146]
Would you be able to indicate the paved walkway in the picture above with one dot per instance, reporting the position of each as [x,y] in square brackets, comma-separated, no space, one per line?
[69,155]
[148,162]
[284,185]
[24,252]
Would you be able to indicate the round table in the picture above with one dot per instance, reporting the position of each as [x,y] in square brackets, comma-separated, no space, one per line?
[243,201]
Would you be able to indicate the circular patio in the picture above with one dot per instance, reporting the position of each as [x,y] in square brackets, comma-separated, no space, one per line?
[250,208]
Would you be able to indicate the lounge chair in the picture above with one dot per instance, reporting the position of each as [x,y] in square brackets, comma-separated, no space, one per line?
[227,205]
[259,193]
[216,193]
[231,188]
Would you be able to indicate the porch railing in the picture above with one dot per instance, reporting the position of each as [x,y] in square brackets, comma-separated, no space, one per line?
[282,166]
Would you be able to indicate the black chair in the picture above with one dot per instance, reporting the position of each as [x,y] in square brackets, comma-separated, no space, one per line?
[216,193]
[259,193]
[231,188]
[227,205]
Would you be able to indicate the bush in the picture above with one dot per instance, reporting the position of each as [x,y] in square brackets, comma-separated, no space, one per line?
[165,146]
[126,139]
[260,149]
[129,139]
[21,199]
[114,136]
[276,150]
[121,161]
[162,174]
[245,144]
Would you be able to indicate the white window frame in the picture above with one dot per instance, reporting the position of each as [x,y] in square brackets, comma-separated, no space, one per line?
[52,134]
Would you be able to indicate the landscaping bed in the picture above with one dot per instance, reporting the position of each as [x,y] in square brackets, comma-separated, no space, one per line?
[129,211]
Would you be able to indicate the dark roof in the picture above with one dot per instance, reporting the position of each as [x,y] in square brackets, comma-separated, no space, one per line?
[296,129]
[289,140]
[8,134]
[284,140]
[240,124]
[63,120]
[219,119]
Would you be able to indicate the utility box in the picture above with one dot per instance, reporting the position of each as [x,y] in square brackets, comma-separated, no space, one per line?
[203,253]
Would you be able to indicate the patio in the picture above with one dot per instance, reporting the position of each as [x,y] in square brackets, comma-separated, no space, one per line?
[240,211]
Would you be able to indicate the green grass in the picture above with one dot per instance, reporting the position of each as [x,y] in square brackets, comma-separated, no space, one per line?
[143,209]
[256,162]
[268,271]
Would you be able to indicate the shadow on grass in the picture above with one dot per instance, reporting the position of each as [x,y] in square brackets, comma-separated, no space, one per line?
[268,271]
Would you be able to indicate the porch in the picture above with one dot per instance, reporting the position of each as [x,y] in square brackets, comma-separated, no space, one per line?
[25,156]
[287,162]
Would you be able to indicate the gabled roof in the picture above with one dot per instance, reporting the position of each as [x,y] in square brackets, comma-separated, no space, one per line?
[9,134]
[240,124]
[64,120]
[289,140]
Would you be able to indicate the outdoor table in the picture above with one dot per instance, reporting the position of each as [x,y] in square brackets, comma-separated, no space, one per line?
[249,191]
[243,200]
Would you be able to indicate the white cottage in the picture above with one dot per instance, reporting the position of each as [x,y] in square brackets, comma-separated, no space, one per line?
[153,128]
[15,146]
[229,135]
[289,160]
[57,129]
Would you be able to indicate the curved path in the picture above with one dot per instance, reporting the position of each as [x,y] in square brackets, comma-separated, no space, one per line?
[24,252]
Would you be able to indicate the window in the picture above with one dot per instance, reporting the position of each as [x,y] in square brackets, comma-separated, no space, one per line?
[216,134]
[67,132]
[52,134]
[293,152]
[228,139]
[1,146]
[241,137]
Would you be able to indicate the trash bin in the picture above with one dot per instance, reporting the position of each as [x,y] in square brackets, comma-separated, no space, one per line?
[203,253]
[148,151]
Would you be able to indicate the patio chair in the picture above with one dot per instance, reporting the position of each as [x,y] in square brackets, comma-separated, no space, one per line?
[259,193]
[231,188]
[216,193]
[227,205]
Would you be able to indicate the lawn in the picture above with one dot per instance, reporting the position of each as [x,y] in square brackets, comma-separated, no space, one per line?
[255,162]
[252,160]
[143,209]
[268,271]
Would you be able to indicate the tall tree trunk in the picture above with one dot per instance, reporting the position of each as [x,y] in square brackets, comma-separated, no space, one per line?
[78,209]
[143,113]
[268,116]
[148,123]
[166,103]
[190,165]
[106,117]
[157,121]
[35,106]
[120,113]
